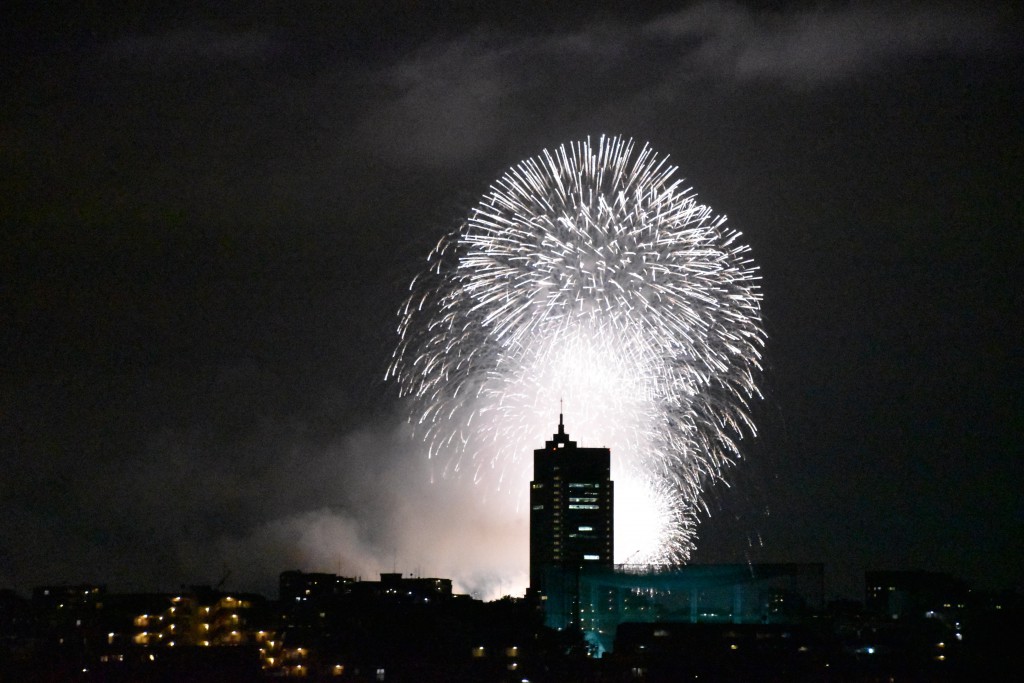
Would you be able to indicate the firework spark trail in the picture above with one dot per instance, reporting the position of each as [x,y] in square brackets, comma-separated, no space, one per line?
[590,274]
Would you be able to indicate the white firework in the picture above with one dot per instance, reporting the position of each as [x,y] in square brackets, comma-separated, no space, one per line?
[591,275]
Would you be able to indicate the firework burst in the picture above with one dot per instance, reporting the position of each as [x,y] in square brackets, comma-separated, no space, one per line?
[589,274]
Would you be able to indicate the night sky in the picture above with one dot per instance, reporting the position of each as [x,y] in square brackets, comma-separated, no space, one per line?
[210,218]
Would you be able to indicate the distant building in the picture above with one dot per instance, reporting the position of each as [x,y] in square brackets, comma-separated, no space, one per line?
[202,617]
[914,594]
[693,594]
[571,525]
[16,615]
[572,574]
[296,586]
[678,651]
[394,588]
[333,626]
[71,613]
[86,596]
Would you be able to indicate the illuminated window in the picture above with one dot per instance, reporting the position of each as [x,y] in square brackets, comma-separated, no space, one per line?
[591,557]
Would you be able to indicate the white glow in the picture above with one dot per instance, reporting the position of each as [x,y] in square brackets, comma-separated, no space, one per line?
[588,275]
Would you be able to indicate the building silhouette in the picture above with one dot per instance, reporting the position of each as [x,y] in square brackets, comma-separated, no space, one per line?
[902,594]
[738,622]
[571,527]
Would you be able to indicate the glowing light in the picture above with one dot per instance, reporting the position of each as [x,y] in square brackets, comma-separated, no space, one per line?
[589,274]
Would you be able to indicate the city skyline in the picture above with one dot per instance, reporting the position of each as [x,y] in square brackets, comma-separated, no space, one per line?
[211,217]
[724,622]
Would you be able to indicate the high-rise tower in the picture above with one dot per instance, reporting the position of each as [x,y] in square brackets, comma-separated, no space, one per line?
[570,510]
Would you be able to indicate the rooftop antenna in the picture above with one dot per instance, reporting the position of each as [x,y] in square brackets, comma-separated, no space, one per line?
[561,422]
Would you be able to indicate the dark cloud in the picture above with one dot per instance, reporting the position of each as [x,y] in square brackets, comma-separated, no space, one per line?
[192,48]
[442,105]
[827,42]
[461,98]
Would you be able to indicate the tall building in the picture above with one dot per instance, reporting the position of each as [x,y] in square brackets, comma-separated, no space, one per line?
[570,518]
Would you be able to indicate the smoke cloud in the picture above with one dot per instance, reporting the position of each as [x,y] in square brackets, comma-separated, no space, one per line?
[372,505]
